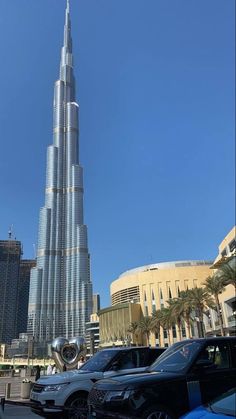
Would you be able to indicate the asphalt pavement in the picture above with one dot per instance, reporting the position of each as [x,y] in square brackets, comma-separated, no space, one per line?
[14,412]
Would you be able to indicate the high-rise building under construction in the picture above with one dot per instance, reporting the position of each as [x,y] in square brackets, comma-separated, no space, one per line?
[60,300]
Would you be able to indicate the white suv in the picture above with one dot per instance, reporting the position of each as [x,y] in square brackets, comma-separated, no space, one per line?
[50,394]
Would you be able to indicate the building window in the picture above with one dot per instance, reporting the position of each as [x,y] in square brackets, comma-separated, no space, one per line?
[126,295]
[165,333]
[224,253]
[195,283]
[161,299]
[232,245]
[153,303]
[174,332]
[145,304]
[186,284]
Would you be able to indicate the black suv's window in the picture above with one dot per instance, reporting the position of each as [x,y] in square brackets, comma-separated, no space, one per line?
[135,358]
[218,354]
[153,355]
[128,359]
[99,361]
[177,358]
[233,352]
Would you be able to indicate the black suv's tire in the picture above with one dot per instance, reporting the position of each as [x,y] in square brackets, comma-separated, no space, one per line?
[158,412]
[78,406]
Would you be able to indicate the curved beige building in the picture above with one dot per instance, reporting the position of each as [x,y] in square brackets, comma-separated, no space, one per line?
[153,285]
[150,287]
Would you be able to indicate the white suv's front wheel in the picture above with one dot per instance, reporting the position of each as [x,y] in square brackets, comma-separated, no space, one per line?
[77,406]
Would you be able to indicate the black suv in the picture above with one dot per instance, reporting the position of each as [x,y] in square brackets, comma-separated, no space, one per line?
[187,374]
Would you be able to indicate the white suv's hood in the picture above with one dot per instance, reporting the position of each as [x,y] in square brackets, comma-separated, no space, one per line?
[68,377]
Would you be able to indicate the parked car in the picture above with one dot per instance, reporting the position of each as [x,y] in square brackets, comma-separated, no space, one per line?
[71,388]
[223,407]
[188,374]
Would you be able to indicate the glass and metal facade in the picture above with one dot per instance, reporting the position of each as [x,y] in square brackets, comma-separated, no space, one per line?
[23,295]
[10,256]
[60,301]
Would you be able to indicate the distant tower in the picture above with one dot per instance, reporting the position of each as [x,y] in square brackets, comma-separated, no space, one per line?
[23,294]
[10,254]
[60,300]
[96,303]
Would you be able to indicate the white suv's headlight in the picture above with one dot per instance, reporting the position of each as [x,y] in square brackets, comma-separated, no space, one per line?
[55,387]
[117,395]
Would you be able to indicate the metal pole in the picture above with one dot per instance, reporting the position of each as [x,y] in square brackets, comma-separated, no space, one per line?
[8,391]
[2,403]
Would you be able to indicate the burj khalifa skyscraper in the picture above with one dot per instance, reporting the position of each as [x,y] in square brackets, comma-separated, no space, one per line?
[60,301]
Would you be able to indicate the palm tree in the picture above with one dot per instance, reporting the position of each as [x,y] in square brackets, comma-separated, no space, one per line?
[176,309]
[200,300]
[166,320]
[186,308]
[227,272]
[214,285]
[156,323]
[145,326]
[133,328]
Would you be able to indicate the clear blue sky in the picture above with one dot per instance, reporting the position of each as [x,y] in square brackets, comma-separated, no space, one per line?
[156,91]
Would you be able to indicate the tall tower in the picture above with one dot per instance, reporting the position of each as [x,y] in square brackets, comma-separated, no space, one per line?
[60,301]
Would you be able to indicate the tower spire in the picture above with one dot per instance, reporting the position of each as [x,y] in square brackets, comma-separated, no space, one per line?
[67,11]
[67,28]
[66,71]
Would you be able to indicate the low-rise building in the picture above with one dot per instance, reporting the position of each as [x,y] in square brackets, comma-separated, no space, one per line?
[114,324]
[92,334]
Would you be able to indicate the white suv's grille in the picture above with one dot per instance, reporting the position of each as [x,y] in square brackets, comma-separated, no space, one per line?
[38,388]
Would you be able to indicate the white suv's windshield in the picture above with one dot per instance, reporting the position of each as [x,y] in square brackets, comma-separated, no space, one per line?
[176,358]
[99,361]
